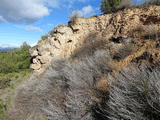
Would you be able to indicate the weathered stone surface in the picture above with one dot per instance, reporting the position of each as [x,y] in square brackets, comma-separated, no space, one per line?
[70,37]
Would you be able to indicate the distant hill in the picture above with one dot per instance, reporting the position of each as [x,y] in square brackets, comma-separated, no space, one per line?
[7,49]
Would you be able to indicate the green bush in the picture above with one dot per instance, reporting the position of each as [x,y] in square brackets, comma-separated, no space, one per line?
[52,32]
[5,82]
[109,6]
[13,63]
[44,37]
[15,60]
[12,79]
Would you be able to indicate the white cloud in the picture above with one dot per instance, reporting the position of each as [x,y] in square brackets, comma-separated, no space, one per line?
[85,11]
[34,44]
[2,19]
[25,11]
[33,28]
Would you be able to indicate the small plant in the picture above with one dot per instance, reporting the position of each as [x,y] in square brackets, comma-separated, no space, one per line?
[108,6]
[94,15]
[44,37]
[52,32]
[4,82]
[75,14]
[2,109]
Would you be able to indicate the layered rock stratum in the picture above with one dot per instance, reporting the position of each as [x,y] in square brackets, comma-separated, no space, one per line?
[126,24]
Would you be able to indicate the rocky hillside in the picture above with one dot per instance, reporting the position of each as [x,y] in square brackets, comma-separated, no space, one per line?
[114,29]
[99,68]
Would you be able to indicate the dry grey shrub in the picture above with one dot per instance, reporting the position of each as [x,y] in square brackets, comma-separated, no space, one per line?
[90,45]
[124,52]
[134,96]
[151,31]
[78,81]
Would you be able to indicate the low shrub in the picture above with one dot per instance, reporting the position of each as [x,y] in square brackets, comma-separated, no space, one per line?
[75,82]
[44,37]
[75,14]
[52,32]
[135,95]
[4,82]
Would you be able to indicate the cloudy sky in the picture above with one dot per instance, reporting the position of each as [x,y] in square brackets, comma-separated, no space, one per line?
[28,20]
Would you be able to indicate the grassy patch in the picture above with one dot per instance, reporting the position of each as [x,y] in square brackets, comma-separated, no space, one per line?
[12,79]
[8,82]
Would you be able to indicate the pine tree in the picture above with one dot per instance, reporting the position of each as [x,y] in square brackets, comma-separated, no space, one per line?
[108,6]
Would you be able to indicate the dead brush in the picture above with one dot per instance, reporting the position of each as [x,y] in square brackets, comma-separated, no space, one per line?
[135,95]
[91,44]
[151,32]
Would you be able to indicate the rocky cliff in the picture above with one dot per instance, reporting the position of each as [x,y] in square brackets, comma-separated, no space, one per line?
[112,28]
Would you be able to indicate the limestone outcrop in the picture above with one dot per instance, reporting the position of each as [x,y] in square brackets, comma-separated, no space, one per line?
[114,28]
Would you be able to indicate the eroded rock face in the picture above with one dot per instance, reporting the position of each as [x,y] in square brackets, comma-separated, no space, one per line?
[66,39]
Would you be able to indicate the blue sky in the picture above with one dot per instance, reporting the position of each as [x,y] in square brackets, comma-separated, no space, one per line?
[28,20]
